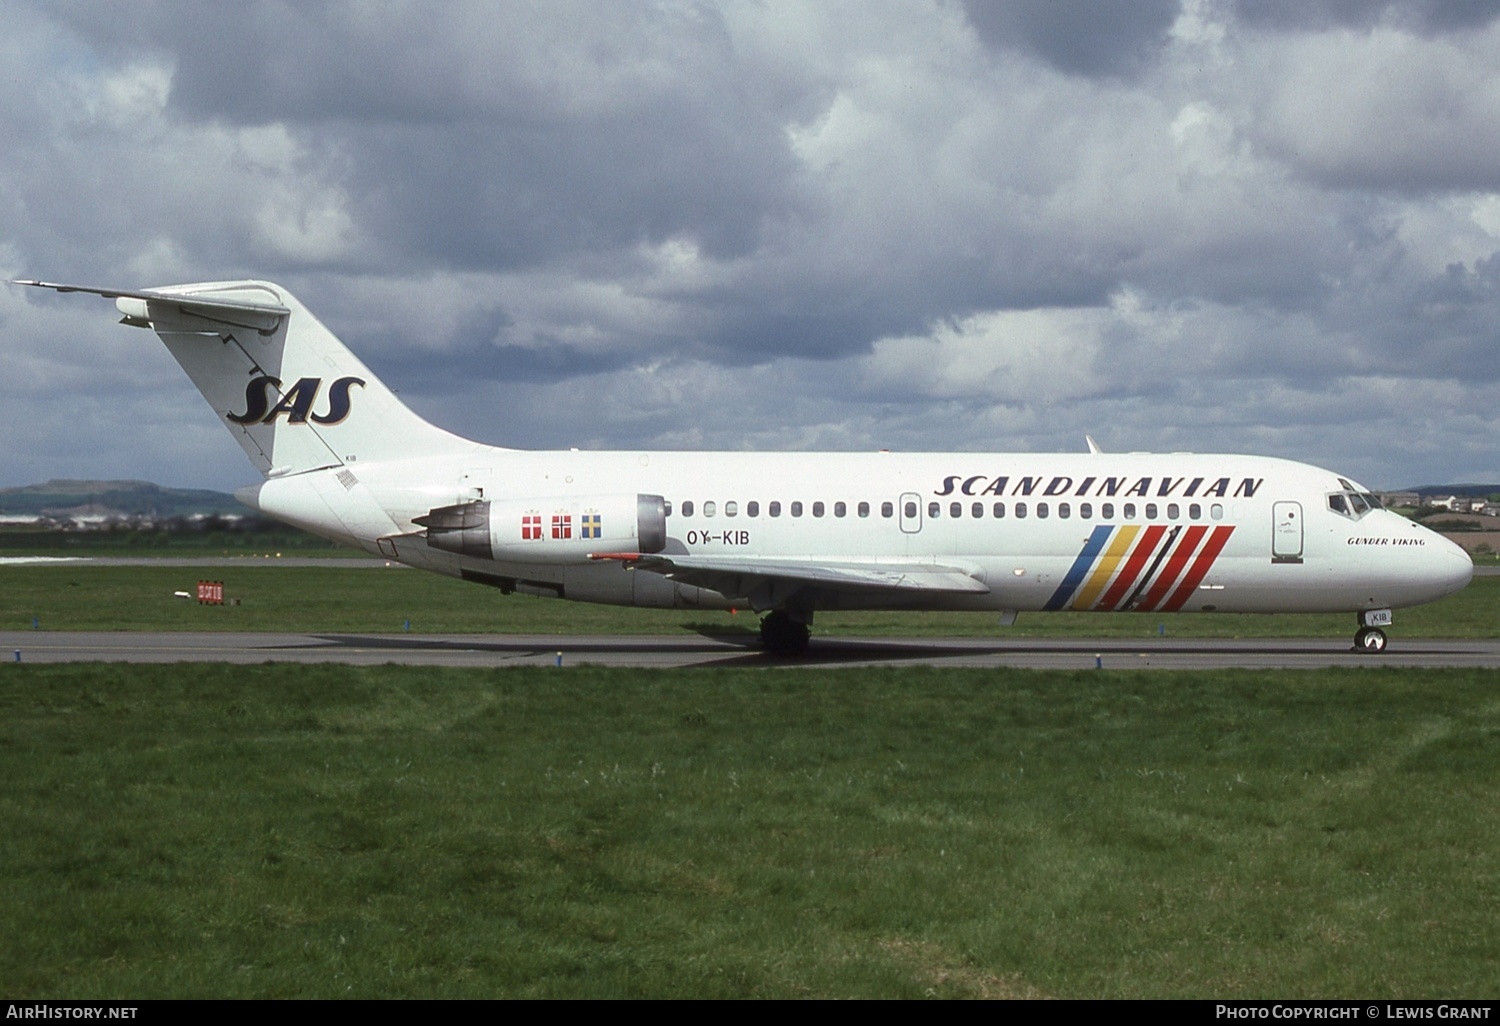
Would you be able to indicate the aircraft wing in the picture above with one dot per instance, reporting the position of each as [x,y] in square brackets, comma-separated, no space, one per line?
[749,577]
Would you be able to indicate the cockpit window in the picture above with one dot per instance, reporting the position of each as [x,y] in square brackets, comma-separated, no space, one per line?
[1352,502]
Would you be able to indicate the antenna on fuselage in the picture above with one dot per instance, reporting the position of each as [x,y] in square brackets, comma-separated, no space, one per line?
[1093,445]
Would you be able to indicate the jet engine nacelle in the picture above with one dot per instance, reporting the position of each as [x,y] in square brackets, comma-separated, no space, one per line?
[564,529]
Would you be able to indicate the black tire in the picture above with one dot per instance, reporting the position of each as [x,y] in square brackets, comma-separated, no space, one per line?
[783,636]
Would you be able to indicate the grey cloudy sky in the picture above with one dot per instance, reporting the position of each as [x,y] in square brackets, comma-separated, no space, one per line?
[1221,225]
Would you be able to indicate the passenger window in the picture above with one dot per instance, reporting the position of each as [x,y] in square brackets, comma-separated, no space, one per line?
[864,509]
[1064,510]
[667,507]
[839,509]
[1130,511]
[774,508]
[977,510]
[999,510]
[731,509]
[752,509]
[1041,510]
[687,508]
[1195,511]
[796,509]
[910,511]
[817,509]
[709,508]
[1086,510]
[888,510]
[1020,511]
[1216,511]
[933,509]
[1150,511]
[955,510]
[1108,511]
[1173,511]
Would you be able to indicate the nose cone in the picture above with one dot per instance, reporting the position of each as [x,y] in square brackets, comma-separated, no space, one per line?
[1452,568]
[1414,564]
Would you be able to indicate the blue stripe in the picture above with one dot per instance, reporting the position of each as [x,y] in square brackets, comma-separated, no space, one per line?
[1080,568]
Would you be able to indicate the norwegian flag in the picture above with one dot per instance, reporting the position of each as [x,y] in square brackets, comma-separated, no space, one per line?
[562,526]
[591,525]
[531,527]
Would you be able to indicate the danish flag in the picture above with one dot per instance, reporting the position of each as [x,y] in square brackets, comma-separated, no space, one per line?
[531,527]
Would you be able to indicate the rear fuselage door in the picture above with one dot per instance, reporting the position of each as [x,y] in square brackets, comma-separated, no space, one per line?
[1286,532]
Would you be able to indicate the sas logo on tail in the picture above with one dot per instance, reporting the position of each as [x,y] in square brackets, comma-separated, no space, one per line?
[296,402]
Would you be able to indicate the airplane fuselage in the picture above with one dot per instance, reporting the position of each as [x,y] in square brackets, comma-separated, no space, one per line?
[1099,532]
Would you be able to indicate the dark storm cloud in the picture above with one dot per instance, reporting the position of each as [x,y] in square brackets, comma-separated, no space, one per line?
[1383,110]
[1080,37]
[479,197]
[1426,16]
[388,61]
[456,148]
[458,142]
[476,349]
[1451,320]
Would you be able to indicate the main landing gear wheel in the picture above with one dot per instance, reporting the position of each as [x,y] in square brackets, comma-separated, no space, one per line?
[1370,639]
[783,636]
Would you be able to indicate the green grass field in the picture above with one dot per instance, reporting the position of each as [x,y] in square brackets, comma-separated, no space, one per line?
[313,831]
[273,831]
[275,598]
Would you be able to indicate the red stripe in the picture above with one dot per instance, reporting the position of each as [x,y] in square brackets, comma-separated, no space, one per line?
[1133,566]
[1175,563]
[1201,565]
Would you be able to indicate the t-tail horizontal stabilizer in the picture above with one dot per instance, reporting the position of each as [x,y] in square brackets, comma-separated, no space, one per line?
[293,396]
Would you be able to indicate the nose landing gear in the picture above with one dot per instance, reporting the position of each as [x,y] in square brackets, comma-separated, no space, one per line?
[1370,638]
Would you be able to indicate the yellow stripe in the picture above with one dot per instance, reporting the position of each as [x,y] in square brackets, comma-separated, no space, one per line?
[1108,564]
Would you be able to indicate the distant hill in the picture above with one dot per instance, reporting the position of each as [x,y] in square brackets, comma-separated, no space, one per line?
[1469,491]
[120,498]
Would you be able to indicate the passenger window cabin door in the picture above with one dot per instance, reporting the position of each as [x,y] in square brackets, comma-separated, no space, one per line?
[1286,532]
[910,510]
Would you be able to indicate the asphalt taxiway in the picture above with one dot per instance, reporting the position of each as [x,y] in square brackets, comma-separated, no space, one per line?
[670,651]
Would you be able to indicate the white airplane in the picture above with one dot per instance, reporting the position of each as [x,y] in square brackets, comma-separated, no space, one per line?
[784,534]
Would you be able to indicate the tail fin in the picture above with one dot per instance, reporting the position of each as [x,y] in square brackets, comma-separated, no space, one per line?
[289,391]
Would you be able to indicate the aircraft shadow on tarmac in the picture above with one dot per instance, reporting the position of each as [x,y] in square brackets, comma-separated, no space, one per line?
[743,648]
[712,650]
